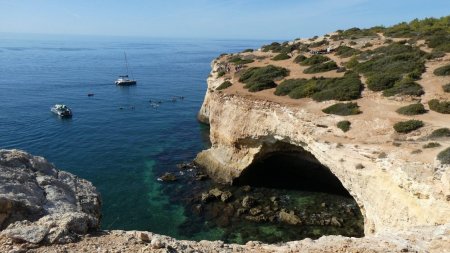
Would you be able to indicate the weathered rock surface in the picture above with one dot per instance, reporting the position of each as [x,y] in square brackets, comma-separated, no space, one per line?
[39,203]
[393,193]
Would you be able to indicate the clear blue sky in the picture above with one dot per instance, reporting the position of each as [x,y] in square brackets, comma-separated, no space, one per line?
[233,19]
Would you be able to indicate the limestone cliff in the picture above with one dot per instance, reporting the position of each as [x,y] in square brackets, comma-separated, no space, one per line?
[394,191]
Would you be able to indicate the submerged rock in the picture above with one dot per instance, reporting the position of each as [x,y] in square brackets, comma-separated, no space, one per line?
[39,203]
[289,217]
[168,177]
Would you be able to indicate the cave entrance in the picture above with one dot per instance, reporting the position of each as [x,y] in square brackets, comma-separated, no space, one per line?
[290,167]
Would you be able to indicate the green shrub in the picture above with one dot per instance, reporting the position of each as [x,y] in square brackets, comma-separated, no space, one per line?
[440,107]
[440,133]
[315,59]
[435,54]
[343,109]
[440,42]
[321,67]
[259,78]
[249,50]
[224,85]
[386,65]
[381,82]
[368,44]
[238,60]
[344,88]
[442,71]
[446,87]
[352,62]
[261,85]
[404,87]
[319,43]
[345,51]
[348,87]
[414,109]
[408,126]
[280,57]
[431,145]
[285,87]
[221,73]
[300,58]
[344,125]
[444,156]
[305,90]
[275,47]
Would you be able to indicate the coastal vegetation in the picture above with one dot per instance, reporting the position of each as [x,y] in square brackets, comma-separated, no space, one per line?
[439,106]
[261,78]
[404,87]
[221,73]
[408,126]
[442,71]
[413,109]
[345,51]
[440,133]
[315,59]
[281,56]
[238,60]
[224,85]
[321,67]
[444,156]
[431,145]
[300,58]
[343,109]
[393,65]
[249,50]
[345,88]
[344,125]
[446,87]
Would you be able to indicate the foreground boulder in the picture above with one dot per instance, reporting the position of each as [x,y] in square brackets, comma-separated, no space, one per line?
[40,204]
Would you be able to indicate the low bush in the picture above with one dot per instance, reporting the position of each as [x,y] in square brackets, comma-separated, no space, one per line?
[285,87]
[352,62]
[446,87]
[315,59]
[221,73]
[404,87]
[259,78]
[261,85]
[440,107]
[381,82]
[344,88]
[440,133]
[224,85]
[414,109]
[280,57]
[431,145]
[343,109]
[300,58]
[249,50]
[439,42]
[435,54]
[321,67]
[344,125]
[368,44]
[238,60]
[408,126]
[345,51]
[442,71]
[444,156]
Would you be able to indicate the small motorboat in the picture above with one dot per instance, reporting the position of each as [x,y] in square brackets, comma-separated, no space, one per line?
[62,111]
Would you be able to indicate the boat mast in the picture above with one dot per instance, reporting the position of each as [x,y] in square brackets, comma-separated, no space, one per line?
[126,64]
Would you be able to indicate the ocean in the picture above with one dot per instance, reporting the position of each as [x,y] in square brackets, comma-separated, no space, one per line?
[116,138]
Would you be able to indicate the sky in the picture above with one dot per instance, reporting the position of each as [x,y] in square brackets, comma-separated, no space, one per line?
[215,19]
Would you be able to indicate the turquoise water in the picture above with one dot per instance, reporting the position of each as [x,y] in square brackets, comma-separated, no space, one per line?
[115,138]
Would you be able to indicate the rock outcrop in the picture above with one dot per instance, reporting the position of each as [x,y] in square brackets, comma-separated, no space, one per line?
[394,192]
[40,204]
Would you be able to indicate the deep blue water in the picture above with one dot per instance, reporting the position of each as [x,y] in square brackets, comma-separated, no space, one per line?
[119,150]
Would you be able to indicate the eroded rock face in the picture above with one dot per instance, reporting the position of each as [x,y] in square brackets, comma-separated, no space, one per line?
[394,192]
[39,203]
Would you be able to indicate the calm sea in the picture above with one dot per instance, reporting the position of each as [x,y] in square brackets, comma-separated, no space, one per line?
[115,139]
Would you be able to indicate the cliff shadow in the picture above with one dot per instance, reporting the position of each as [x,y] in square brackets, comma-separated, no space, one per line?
[286,166]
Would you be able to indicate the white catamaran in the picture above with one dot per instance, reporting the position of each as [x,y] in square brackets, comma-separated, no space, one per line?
[124,80]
